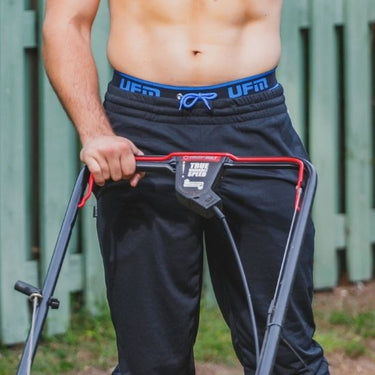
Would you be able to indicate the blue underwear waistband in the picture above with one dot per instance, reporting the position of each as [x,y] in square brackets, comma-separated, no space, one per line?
[232,89]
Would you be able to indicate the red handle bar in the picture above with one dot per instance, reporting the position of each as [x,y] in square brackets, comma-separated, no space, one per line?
[211,156]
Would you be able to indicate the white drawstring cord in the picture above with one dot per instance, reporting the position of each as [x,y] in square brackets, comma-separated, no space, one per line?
[189,100]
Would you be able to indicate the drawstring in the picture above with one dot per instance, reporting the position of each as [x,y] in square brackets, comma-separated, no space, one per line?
[189,100]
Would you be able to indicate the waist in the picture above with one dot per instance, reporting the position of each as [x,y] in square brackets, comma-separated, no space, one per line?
[231,89]
[266,103]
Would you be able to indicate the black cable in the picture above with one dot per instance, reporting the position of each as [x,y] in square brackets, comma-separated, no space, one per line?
[223,219]
[294,351]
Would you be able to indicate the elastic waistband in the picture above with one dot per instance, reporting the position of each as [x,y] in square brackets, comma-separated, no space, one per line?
[232,89]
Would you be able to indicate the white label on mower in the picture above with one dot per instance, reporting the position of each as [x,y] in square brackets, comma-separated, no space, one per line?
[194,184]
[198,169]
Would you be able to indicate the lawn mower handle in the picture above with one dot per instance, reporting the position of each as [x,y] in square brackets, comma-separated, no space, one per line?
[168,164]
[306,180]
[46,300]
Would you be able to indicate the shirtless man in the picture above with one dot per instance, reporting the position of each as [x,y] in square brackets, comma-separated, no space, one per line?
[189,75]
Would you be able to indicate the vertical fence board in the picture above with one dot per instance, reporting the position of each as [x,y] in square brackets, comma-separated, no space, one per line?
[304,12]
[94,276]
[358,129]
[290,70]
[58,173]
[15,246]
[338,12]
[58,165]
[323,138]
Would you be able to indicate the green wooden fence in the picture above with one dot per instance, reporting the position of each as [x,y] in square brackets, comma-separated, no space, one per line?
[328,71]
[39,163]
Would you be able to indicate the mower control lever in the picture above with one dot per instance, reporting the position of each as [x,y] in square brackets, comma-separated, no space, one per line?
[26,288]
[196,176]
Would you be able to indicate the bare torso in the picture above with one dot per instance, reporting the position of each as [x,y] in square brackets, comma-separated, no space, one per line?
[194,42]
[176,42]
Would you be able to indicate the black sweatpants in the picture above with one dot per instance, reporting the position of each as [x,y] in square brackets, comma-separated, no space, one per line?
[152,245]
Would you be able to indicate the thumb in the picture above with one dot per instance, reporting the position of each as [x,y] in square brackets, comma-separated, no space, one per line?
[136,151]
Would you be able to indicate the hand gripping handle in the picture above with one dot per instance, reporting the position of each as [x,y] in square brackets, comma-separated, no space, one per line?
[168,163]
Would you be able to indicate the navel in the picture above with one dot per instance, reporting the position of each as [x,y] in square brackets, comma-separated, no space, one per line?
[196,52]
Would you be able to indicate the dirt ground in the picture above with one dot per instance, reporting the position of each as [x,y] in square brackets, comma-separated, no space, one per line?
[339,365]
[352,298]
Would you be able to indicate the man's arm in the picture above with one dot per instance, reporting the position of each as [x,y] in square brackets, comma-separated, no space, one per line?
[71,69]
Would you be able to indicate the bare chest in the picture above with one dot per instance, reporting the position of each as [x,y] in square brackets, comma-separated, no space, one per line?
[196,11]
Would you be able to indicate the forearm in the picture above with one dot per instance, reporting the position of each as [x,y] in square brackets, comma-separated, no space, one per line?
[71,69]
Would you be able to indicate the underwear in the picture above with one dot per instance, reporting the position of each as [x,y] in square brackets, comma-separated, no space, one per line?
[232,89]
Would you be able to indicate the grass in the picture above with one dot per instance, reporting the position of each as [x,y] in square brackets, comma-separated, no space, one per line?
[91,341]
[214,340]
[347,331]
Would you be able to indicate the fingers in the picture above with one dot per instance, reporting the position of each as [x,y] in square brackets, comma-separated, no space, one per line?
[111,157]
[136,178]
[127,164]
[96,169]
